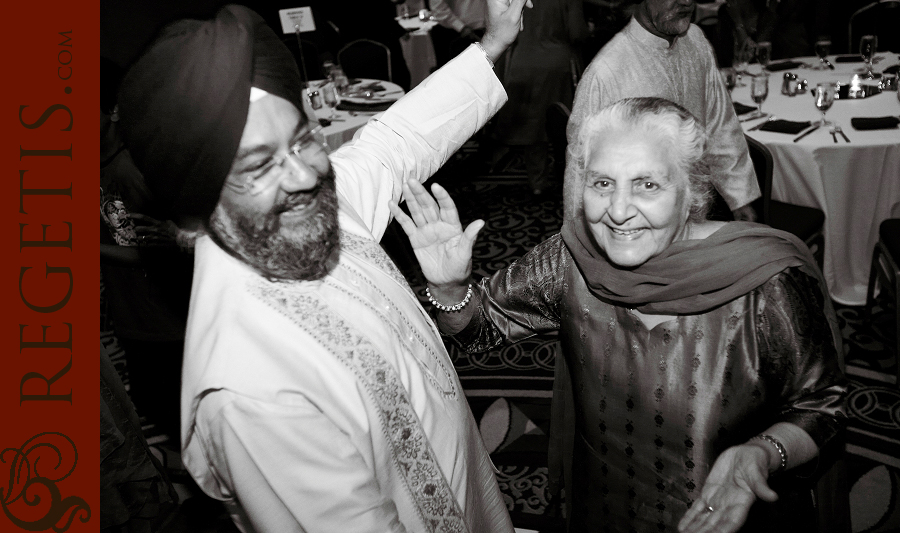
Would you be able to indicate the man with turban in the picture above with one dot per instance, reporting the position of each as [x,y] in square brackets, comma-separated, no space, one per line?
[317,394]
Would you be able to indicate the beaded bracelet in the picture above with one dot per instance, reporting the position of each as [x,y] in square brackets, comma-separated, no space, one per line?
[449,308]
[778,446]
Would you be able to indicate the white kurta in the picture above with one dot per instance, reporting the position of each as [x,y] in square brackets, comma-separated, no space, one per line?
[637,63]
[332,405]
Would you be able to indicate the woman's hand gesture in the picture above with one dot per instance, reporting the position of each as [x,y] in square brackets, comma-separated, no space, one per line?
[443,249]
[735,481]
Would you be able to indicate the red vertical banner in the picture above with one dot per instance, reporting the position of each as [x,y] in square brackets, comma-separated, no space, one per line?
[49,274]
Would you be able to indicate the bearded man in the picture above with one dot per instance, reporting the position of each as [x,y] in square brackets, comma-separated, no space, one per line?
[317,393]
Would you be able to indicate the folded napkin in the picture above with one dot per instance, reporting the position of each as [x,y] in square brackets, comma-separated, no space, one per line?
[874,123]
[377,105]
[785,126]
[742,109]
[850,58]
[782,65]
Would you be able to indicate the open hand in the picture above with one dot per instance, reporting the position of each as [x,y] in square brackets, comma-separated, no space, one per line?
[443,249]
[504,21]
[736,479]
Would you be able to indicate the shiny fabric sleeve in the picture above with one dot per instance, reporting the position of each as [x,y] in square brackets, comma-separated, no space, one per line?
[266,451]
[797,356]
[519,301]
[729,158]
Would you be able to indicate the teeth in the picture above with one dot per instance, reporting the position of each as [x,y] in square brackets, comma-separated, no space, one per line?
[626,232]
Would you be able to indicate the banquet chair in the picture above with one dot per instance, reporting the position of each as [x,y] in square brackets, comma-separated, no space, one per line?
[365,58]
[885,269]
[556,121]
[881,18]
[807,223]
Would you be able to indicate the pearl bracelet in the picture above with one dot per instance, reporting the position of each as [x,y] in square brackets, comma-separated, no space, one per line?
[449,308]
[778,446]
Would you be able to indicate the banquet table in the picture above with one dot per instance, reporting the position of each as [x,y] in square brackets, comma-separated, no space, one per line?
[344,124]
[856,184]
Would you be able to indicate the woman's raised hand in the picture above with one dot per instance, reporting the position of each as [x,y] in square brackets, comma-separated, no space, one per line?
[443,249]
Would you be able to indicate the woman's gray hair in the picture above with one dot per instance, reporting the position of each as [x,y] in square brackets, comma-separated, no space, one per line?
[685,133]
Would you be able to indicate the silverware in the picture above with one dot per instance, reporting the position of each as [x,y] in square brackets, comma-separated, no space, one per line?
[752,117]
[761,124]
[833,135]
[841,131]
[807,132]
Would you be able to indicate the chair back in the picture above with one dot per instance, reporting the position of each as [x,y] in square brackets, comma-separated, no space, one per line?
[763,165]
[556,121]
[365,58]
[881,18]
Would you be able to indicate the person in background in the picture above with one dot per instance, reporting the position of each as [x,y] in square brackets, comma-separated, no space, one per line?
[792,26]
[460,23]
[317,393]
[660,53]
[146,266]
[701,360]
[541,69]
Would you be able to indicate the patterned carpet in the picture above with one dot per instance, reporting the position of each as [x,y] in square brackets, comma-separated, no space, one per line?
[509,389]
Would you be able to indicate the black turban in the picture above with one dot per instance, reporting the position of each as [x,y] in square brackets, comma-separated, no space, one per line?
[183,105]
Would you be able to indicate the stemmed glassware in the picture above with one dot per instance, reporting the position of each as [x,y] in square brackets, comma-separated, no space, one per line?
[822,48]
[868,45]
[759,91]
[824,98]
[742,56]
[330,98]
[763,53]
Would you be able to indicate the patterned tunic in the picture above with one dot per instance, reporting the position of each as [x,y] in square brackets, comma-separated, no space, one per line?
[654,408]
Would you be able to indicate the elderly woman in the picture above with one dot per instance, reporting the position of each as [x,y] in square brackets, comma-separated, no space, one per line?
[701,356]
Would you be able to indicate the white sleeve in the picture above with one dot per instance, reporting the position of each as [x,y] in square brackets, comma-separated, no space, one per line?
[292,469]
[416,136]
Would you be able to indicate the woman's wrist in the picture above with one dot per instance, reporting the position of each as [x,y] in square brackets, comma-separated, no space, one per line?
[449,298]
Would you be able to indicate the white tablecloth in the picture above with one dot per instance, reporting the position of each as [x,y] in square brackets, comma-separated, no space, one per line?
[345,123]
[857,185]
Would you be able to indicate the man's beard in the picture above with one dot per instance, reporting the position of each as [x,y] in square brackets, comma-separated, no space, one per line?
[301,251]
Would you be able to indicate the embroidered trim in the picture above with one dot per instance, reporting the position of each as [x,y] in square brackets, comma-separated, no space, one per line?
[374,253]
[435,502]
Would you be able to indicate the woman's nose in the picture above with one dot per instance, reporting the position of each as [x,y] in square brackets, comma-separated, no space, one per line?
[621,207]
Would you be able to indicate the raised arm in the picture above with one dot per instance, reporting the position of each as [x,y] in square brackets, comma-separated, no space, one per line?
[420,132]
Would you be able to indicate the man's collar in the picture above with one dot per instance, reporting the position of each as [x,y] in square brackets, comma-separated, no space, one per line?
[641,34]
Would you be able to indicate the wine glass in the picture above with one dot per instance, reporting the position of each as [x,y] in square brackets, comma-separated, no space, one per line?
[741,59]
[763,53]
[759,91]
[330,98]
[823,48]
[729,76]
[824,98]
[868,45]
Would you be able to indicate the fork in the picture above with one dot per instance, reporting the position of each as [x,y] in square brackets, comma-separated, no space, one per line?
[837,129]
[833,135]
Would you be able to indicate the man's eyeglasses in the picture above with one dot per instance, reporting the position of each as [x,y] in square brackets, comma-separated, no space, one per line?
[260,177]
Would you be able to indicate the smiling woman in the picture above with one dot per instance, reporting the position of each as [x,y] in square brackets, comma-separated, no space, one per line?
[698,357]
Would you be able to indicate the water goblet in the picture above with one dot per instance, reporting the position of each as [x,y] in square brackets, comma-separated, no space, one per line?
[759,91]
[763,53]
[823,48]
[824,98]
[868,45]
[742,56]
[330,98]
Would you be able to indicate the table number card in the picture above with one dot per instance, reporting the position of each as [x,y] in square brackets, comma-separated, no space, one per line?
[294,18]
